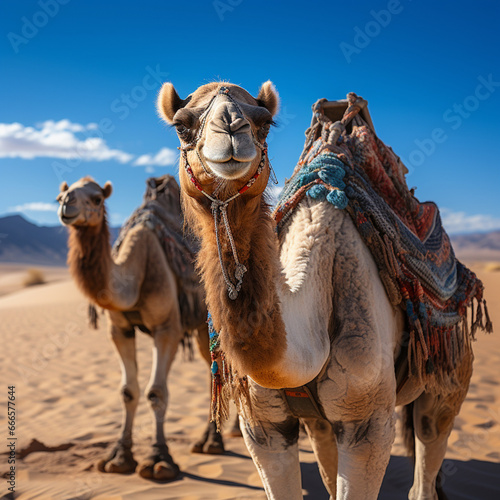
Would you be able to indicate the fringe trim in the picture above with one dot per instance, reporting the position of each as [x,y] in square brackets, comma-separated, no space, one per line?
[435,353]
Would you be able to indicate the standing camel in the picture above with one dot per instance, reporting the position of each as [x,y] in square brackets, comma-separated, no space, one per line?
[139,287]
[309,306]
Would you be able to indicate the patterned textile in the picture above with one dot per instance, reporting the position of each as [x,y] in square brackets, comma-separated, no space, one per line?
[359,173]
[161,212]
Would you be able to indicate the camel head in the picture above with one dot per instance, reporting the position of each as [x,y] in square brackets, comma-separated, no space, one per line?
[82,203]
[222,130]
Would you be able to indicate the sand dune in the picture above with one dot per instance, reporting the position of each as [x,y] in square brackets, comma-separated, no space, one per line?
[67,378]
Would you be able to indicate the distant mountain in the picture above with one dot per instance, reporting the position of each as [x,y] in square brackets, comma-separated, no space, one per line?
[489,240]
[477,246]
[22,241]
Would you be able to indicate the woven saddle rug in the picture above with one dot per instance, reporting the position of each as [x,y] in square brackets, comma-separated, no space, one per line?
[358,173]
[161,212]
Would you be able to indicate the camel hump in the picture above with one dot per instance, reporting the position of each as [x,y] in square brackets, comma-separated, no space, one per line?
[165,191]
[161,212]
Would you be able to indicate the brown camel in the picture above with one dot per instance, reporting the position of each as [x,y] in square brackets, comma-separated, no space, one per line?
[138,288]
[310,306]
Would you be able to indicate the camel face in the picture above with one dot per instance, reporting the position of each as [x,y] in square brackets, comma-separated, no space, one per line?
[224,123]
[82,204]
[228,145]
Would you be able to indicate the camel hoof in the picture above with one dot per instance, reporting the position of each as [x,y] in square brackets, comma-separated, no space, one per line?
[119,461]
[145,469]
[210,443]
[164,471]
[198,447]
[159,466]
[214,448]
[210,446]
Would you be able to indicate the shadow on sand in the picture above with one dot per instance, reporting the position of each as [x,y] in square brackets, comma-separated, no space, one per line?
[471,480]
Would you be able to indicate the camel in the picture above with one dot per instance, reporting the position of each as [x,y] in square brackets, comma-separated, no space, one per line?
[310,306]
[137,287]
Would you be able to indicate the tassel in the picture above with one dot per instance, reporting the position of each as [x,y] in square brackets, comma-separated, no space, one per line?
[219,407]
[423,343]
[489,325]
[93,316]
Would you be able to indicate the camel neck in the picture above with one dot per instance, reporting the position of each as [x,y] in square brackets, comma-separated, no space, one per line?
[252,331]
[90,262]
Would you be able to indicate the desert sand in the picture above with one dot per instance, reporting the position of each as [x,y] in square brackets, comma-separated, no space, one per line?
[67,378]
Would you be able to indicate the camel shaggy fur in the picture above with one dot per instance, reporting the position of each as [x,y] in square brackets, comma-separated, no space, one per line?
[137,288]
[311,306]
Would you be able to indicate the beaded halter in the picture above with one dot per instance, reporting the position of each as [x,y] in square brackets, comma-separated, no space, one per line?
[219,207]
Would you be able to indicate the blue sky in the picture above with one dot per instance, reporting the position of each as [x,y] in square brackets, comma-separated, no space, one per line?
[80,78]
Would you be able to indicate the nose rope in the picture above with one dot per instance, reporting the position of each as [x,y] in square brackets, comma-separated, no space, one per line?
[232,288]
[219,207]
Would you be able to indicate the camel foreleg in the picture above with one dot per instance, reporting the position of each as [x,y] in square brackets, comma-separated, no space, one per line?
[324,444]
[160,464]
[120,459]
[275,453]
[364,450]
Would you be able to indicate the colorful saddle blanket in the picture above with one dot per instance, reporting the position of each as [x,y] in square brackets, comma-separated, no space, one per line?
[161,212]
[358,173]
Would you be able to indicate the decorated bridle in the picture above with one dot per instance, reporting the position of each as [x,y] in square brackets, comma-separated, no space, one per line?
[219,207]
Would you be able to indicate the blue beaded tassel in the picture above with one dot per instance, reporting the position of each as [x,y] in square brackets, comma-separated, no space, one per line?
[219,407]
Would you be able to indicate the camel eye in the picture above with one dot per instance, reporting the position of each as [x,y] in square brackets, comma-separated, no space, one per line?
[182,131]
[264,129]
[96,200]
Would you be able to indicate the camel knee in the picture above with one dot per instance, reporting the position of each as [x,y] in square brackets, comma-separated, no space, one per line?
[157,397]
[129,394]
[274,435]
[429,427]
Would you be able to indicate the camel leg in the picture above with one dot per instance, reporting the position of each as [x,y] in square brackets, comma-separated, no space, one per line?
[324,444]
[433,418]
[121,459]
[364,451]
[211,441]
[271,437]
[160,465]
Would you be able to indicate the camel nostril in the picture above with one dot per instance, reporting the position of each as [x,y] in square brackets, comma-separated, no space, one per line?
[69,199]
[239,126]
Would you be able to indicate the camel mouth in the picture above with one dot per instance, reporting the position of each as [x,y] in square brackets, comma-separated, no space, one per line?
[68,221]
[231,169]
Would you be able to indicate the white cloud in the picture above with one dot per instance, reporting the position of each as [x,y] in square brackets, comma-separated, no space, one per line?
[116,219]
[163,158]
[36,206]
[273,193]
[56,140]
[460,222]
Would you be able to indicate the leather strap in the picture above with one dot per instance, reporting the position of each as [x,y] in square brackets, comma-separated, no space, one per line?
[303,401]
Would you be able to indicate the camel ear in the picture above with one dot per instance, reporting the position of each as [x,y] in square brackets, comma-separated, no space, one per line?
[107,189]
[168,102]
[63,187]
[268,97]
